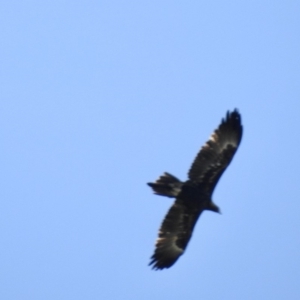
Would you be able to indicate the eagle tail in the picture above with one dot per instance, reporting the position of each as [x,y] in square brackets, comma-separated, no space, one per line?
[166,185]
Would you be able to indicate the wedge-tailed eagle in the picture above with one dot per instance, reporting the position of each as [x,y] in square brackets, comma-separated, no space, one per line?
[194,195]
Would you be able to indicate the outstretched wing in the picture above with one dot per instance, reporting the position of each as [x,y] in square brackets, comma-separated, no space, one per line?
[174,234]
[217,153]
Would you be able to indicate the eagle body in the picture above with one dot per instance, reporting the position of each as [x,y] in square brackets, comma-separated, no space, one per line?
[194,196]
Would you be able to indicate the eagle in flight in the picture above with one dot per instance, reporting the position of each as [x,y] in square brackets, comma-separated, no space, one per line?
[194,195]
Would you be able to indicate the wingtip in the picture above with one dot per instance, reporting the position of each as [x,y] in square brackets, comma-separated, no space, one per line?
[234,113]
[155,266]
[233,117]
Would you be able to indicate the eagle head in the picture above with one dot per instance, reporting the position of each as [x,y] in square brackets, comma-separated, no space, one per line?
[213,207]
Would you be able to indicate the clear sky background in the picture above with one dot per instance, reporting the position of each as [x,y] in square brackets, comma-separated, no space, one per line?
[100,97]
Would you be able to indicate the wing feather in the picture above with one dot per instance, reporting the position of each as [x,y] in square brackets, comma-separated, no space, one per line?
[217,153]
[174,234]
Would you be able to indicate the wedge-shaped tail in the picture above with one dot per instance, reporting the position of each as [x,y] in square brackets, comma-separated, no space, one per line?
[166,185]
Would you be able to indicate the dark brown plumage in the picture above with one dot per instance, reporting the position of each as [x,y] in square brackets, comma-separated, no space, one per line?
[194,195]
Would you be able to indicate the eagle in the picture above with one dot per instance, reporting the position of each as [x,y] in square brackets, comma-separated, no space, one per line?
[194,195]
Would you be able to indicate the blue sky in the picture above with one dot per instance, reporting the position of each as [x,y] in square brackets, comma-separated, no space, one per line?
[100,97]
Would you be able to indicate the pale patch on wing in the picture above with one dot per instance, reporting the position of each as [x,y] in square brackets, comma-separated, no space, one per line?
[169,243]
[231,140]
[213,138]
